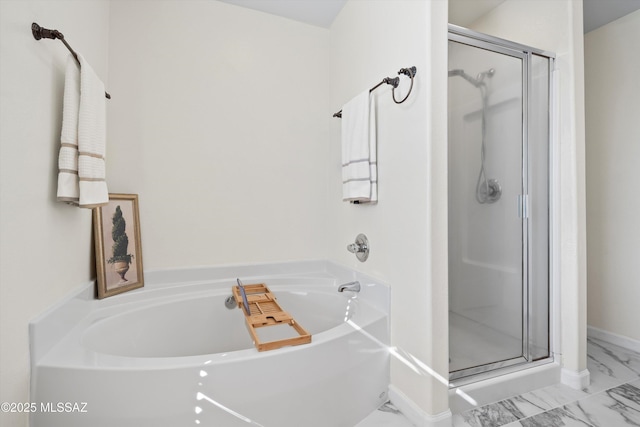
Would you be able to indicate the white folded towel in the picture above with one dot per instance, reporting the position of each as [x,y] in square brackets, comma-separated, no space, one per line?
[81,161]
[359,164]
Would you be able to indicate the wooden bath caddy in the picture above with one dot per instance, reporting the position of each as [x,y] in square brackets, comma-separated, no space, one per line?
[264,311]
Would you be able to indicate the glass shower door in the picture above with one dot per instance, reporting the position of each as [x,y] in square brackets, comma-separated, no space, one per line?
[487,234]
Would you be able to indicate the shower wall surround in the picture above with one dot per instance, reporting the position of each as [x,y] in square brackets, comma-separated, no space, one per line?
[556,26]
[498,253]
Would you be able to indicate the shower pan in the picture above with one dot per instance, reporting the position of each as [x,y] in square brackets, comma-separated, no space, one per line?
[499,95]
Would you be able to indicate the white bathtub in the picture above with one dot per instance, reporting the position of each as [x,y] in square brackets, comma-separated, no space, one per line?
[171,354]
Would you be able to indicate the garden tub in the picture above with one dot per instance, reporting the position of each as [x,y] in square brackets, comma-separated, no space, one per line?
[172,354]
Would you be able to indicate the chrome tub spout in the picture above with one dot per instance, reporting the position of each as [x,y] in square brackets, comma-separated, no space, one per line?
[351,286]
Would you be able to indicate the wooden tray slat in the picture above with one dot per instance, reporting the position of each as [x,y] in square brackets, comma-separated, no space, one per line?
[265,311]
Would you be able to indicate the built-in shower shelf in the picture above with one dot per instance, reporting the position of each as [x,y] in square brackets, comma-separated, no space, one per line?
[501,106]
[269,325]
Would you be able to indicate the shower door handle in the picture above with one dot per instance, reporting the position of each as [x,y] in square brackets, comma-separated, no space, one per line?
[523,206]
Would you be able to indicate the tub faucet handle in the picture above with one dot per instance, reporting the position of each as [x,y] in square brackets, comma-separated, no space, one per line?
[360,247]
[354,248]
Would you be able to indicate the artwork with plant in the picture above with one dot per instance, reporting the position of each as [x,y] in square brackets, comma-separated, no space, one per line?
[120,239]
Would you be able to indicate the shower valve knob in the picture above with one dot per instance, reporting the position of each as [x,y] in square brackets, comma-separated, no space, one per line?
[360,247]
[353,248]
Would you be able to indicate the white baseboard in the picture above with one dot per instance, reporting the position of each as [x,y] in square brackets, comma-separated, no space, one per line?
[575,380]
[610,337]
[415,414]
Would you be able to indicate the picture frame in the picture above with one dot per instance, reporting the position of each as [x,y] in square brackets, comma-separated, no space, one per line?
[118,248]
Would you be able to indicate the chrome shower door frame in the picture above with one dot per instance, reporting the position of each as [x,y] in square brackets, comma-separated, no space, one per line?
[524,53]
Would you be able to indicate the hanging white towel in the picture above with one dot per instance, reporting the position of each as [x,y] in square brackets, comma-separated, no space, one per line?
[68,185]
[81,161]
[359,145]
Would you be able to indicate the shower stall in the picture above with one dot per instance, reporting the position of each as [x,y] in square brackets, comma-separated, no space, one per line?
[499,103]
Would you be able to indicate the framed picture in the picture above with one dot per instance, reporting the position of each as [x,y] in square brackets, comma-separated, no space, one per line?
[116,228]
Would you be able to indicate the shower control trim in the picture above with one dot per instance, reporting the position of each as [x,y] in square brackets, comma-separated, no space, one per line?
[495,191]
[360,247]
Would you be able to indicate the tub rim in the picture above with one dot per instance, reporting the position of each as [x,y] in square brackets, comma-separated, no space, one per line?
[88,310]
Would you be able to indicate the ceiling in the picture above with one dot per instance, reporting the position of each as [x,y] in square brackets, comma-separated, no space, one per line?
[315,12]
[600,12]
[596,12]
[463,12]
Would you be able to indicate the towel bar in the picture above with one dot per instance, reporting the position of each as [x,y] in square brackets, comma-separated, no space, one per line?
[395,81]
[44,33]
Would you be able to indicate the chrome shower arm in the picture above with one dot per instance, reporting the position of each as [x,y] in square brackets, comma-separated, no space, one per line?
[467,77]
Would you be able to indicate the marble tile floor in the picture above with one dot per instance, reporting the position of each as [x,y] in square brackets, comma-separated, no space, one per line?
[611,400]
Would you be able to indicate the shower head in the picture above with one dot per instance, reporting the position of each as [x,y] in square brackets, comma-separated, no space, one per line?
[478,81]
[489,73]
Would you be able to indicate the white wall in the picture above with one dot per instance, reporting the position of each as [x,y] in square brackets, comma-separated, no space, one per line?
[556,26]
[613,152]
[407,227]
[249,112]
[218,121]
[45,246]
